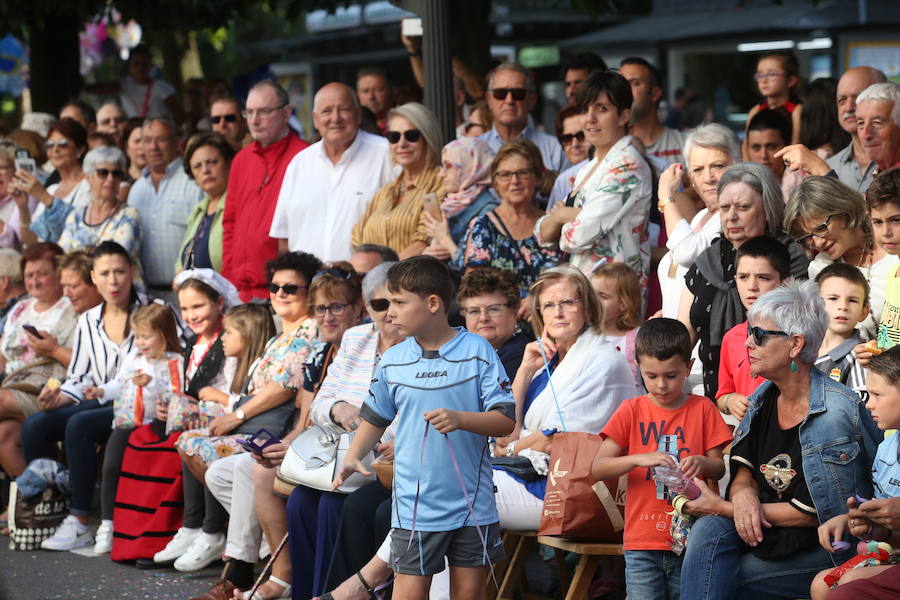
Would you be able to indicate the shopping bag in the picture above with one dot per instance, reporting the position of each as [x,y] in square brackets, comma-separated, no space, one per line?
[32,520]
[575,505]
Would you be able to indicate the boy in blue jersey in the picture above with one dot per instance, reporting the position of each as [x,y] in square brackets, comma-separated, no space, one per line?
[451,392]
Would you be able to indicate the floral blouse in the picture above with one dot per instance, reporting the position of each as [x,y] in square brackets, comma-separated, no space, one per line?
[284,358]
[121,226]
[615,205]
[486,245]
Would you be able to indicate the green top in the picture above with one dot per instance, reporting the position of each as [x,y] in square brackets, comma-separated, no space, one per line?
[215,232]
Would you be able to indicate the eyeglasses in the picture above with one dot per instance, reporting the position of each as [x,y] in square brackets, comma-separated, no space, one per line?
[112,121]
[412,136]
[334,272]
[59,144]
[518,94]
[506,176]
[104,173]
[334,308]
[262,113]
[819,231]
[768,75]
[759,335]
[289,289]
[379,304]
[566,138]
[567,305]
[492,310]
[230,118]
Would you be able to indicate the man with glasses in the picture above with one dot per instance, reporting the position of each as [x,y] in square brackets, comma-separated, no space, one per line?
[646,87]
[254,183]
[511,96]
[164,197]
[328,186]
[225,118]
[111,120]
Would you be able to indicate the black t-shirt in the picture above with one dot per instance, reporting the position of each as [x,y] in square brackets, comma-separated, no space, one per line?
[773,456]
[512,352]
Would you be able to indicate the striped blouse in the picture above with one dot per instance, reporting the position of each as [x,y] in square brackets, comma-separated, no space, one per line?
[394,220]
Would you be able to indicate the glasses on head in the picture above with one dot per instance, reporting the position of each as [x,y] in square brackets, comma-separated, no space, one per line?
[567,138]
[112,121]
[819,231]
[160,139]
[518,94]
[759,334]
[506,176]
[229,118]
[760,76]
[379,304]
[262,113]
[412,136]
[104,173]
[334,308]
[492,310]
[567,305]
[334,272]
[289,289]
[58,144]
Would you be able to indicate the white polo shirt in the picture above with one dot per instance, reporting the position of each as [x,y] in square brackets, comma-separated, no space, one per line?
[320,202]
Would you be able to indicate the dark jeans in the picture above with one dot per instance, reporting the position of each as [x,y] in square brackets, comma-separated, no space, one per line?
[313,521]
[81,427]
[365,522]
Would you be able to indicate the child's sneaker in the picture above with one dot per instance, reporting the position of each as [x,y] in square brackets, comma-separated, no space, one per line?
[103,537]
[71,534]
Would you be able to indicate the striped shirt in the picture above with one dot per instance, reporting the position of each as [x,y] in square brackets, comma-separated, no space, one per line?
[393,218]
[840,365]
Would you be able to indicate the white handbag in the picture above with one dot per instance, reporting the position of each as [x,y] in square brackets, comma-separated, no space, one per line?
[316,456]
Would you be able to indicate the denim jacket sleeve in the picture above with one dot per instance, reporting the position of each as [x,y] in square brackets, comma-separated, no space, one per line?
[49,225]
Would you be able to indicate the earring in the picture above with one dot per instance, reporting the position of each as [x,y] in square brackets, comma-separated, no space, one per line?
[793,366]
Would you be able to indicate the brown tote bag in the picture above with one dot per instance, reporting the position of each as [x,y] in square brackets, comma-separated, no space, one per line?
[576,506]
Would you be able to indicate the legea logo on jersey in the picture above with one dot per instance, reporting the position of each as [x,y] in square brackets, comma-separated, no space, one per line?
[430,374]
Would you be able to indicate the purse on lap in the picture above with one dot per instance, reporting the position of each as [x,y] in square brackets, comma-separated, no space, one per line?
[314,459]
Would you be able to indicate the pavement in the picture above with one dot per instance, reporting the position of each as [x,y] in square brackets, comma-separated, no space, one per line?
[83,575]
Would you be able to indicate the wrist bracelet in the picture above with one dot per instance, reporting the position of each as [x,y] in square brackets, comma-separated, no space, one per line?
[511,449]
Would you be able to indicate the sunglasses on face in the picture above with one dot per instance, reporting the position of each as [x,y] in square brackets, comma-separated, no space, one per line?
[379,304]
[227,118]
[566,138]
[104,173]
[412,136]
[518,94]
[759,334]
[289,289]
[59,144]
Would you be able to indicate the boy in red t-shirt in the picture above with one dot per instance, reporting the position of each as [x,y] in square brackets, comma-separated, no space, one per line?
[689,427]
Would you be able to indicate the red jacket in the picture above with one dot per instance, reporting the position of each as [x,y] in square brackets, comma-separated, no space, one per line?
[253,187]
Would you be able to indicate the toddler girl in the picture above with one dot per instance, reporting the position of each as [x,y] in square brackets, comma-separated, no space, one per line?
[619,290]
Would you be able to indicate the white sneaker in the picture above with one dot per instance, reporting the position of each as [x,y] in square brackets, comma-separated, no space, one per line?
[71,534]
[205,550]
[178,545]
[103,538]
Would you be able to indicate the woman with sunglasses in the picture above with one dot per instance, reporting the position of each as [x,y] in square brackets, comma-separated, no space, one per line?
[207,160]
[105,217]
[393,217]
[66,145]
[804,446]
[830,221]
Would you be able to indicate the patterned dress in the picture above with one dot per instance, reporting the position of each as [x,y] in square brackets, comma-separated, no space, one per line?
[121,226]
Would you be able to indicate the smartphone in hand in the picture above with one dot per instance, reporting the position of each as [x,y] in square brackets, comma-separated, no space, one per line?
[259,441]
[33,331]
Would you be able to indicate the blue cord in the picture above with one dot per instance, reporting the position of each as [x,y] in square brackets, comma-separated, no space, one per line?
[550,383]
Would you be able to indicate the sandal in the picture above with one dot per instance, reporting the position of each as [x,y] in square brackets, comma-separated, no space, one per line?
[285,593]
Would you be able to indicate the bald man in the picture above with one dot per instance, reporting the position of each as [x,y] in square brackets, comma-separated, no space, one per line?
[852,165]
[327,186]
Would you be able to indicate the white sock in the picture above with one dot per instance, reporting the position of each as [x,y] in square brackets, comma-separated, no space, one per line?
[211,537]
[106,522]
[192,530]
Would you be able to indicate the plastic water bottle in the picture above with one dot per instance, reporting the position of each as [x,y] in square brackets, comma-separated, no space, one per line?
[676,482]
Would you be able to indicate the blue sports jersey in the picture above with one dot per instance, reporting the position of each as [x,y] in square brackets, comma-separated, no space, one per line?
[464,375]
[886,468]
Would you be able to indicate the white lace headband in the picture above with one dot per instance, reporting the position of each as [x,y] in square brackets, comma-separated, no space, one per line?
[224,287]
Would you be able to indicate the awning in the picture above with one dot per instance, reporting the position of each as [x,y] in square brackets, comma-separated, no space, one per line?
[800,15]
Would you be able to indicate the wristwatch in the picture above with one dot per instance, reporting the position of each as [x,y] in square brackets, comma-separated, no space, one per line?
[663,202]
[725,409]
[239,413]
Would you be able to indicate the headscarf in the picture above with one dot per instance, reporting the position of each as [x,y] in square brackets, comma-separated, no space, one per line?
[473,158]
[224,287]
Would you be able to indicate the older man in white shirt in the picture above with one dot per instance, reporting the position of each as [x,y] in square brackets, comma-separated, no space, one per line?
[327,186]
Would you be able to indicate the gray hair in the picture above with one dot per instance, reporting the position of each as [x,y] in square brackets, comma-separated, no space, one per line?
[511,66]
[383,251]
[763,182]
[11,265]
[350,91]
[424,120]
[885,92]
[280,93]
[375,278]
[818,198]
[167,121]
[796,308]
[103,155]
[712,135]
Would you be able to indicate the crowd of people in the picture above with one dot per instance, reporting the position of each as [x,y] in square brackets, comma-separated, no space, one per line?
[197,295]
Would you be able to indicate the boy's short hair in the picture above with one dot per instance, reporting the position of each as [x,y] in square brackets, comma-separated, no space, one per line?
[848,272]
[887,365]
[769,248]
[884,189]
[773,118]
[662,339]
[421,275]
